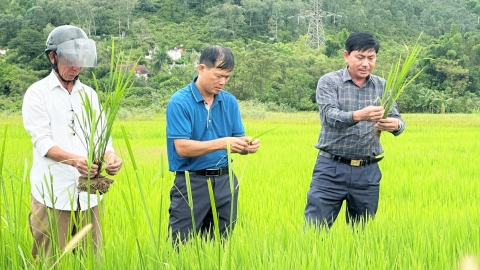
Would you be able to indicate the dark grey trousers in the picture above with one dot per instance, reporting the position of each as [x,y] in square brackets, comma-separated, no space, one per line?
[180,221]
[334,182]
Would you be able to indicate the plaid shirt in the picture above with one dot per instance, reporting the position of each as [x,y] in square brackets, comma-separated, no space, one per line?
[338,97]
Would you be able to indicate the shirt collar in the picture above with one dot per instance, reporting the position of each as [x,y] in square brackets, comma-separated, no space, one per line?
[198,97]
[346,76]
[54,82]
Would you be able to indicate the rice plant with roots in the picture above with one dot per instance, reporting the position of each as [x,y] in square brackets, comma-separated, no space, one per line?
[97,121]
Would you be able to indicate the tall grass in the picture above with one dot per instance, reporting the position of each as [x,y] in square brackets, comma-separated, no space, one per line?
[428,214]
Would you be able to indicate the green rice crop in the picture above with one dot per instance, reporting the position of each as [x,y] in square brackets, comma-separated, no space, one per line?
[428,217]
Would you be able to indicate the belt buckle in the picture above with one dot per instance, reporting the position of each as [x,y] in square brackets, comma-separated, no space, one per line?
[212,172]
[355,162]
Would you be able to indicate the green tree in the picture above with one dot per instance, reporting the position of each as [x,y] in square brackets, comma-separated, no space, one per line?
[226,20]
[165,90]
[10,26]
[123,12]
[35,18]
[256,12]
[255,70]
[170,10]
[146,6]
[84,14]
[29,44]
[104,17]
[456,77]
[294,15]
[15,81]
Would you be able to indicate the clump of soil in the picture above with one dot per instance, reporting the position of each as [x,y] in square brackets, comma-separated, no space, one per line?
[98,183]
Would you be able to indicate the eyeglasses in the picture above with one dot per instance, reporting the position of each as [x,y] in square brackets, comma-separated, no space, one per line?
[71,121]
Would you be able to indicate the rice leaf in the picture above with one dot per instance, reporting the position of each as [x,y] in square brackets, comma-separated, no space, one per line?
[262,133]
[398,79]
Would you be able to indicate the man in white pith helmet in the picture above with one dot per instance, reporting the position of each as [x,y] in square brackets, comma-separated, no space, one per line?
[50,110]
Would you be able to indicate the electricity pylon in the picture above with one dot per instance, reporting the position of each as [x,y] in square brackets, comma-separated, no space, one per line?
[316,35]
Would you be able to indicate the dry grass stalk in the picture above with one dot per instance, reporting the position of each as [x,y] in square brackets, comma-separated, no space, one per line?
[468,262]
[76,239]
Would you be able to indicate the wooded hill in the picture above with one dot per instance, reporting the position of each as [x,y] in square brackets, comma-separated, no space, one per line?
[274,64]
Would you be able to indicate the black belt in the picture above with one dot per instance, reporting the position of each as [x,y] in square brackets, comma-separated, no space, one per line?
[351,162]
[209,172]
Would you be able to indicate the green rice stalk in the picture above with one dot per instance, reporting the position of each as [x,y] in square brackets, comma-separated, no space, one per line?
[398,80]
[96,122]
[4,191]
[194,226]
[137,176]
[140,254]
[97,126]
[17,206]
[2,187]
[215,220]
[2,154]
[248,142]
[26,263]
[52,217]
[262,133]
[214,210]
[232,191]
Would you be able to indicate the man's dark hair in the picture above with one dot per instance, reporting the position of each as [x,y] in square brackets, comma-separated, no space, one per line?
[217,57]
[362,42]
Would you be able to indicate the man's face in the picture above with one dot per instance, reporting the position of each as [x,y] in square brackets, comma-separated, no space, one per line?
[360,63]
[212,80]
[65,67]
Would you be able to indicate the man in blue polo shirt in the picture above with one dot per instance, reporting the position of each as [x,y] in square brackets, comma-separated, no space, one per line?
[202,119]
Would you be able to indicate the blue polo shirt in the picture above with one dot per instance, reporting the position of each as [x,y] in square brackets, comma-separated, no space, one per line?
[188,118]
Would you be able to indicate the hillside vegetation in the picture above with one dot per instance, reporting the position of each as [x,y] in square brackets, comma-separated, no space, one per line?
[275,64]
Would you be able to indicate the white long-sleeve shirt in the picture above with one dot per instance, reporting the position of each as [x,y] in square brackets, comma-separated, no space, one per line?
[48,116]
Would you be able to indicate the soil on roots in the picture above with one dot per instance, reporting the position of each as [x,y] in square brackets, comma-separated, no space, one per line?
[98,183]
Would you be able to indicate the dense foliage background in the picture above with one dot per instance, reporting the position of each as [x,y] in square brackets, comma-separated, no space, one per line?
[274,66]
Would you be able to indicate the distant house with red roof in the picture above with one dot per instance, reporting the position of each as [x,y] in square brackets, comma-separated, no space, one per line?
[140,70]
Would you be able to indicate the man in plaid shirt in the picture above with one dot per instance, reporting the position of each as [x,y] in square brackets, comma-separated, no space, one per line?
[347,168]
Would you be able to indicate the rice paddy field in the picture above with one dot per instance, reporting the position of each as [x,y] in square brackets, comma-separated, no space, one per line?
[428,217]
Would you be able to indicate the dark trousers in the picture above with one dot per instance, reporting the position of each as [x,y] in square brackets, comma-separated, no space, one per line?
[333,182]
[180,221]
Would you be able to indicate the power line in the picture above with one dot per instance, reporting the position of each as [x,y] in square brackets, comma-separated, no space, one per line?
[316,34]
